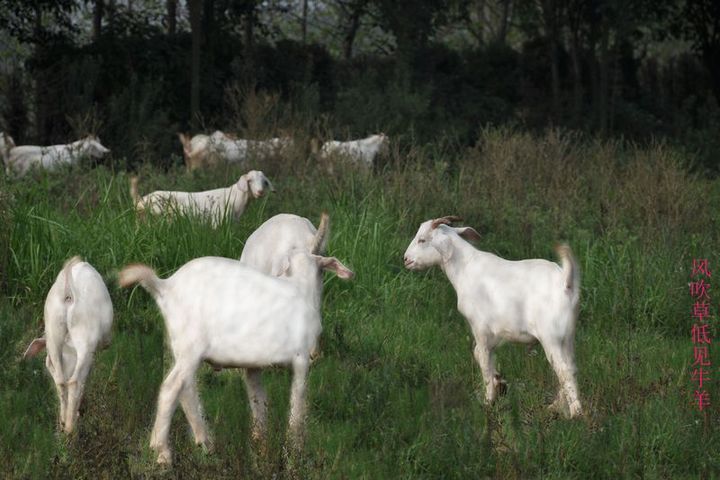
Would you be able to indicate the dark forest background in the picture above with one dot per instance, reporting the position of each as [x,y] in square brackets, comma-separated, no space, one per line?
[421,71]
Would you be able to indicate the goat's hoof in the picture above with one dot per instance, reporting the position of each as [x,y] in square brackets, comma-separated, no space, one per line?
[164,457]
[500,385]
[207,446]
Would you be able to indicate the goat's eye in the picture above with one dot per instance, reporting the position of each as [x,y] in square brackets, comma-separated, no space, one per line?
[421,240]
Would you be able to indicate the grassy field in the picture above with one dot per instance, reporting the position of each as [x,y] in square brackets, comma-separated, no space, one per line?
[396,392]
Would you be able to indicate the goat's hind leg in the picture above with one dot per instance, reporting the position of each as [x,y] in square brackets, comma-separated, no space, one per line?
[561,358]
[190,403]
[180,375]
[76,386]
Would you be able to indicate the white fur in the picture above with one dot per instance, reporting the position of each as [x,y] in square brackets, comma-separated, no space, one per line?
[23,158]
[521,301]
[229,315]
[78,318]
[211,205]
[362,152]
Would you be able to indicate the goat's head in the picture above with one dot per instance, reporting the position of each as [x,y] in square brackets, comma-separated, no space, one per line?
[94,148]
[256,182]
[432,242]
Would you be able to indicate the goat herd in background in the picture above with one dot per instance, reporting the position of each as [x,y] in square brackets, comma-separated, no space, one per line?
[265,309]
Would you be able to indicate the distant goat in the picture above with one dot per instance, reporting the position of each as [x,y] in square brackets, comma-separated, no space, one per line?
[520,301]
[23,158]
[361,152]
[211,205]
[229,315]
[203,150]
[78,318]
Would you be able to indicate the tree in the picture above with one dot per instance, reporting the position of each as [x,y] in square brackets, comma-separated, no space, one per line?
[702,27]
[171,16]
[195,9]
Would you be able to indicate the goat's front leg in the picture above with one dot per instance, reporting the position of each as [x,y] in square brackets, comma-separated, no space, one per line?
[297,401]
[485,358]
[60,386]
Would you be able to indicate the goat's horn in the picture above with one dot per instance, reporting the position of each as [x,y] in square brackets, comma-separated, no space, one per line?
[445,221]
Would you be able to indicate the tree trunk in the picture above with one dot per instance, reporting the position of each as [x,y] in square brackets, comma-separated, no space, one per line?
[351,32]
[504,22]
[304,21]
[97,19]
[171,16]
[249,33]
[549,8]
[577,77]
[195,8]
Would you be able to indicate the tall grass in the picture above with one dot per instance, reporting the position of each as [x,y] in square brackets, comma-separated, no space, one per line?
[396,392]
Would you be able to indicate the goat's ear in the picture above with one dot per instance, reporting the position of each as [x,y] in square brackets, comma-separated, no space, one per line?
[242,183]
[34,348]
[468,233]
[335,265]
[272,187]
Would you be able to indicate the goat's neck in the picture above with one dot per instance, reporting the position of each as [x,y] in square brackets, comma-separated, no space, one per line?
[239,198]
[311,287]
[461,254]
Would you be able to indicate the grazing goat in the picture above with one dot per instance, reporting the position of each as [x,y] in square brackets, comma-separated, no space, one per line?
[23,158]
[212,205]
[266,250]
[361,152]
[267,246]
[219,311]
[207,150]
[78,318]
[521,301]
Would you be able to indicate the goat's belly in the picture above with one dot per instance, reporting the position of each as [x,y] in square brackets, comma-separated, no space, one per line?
[255,356]
[516,336]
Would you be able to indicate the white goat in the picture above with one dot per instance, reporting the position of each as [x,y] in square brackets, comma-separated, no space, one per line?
[211,205]
[6,143]
[78,318]
[229,315]
[23,158]
[362,152]
[266,250]
[207,150]
[521,301]
[272,241]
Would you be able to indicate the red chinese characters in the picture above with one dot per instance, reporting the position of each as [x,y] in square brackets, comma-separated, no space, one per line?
[700,332]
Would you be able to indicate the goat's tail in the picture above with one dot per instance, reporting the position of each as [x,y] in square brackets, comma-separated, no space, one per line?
[185,140]
[570,267]
[142,274]
[320,241]
[137,199]
[67,274]
[9,144]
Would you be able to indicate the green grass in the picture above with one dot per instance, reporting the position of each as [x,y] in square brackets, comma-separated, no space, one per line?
[396,392]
